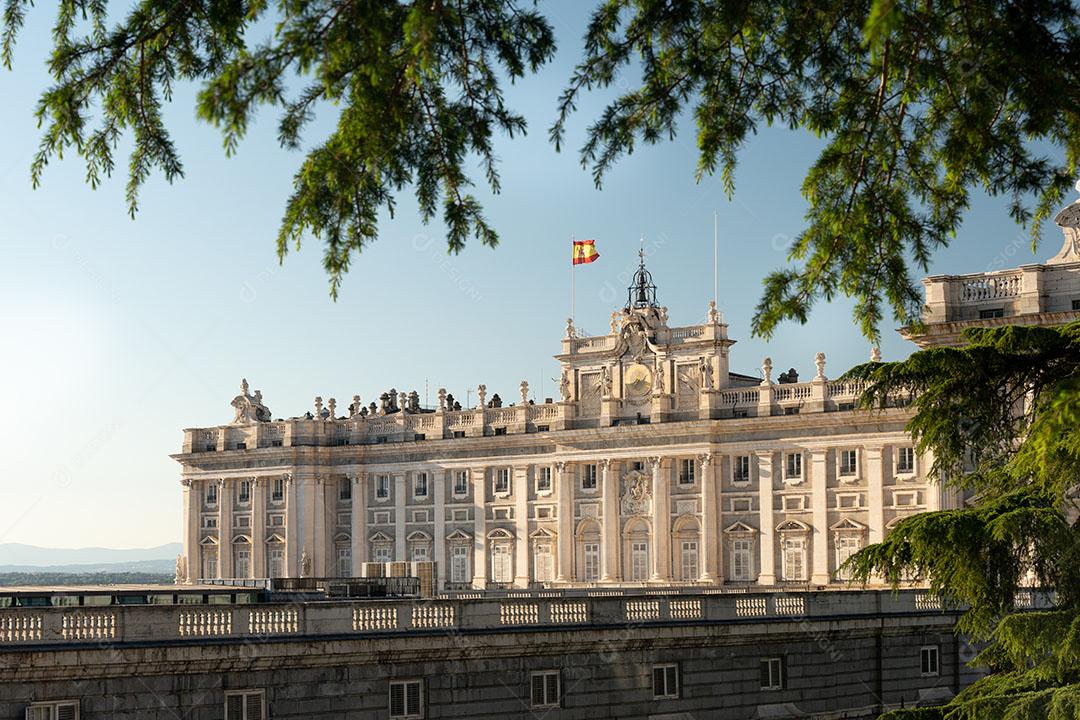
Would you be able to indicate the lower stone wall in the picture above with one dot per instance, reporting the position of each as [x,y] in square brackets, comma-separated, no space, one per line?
[834,668]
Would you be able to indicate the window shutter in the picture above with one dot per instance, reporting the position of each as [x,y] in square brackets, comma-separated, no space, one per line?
[397,699]
[658,682]
[254,709]
[38,713]
[553,689]
[67,711]
[234,707]
[412,698]
[538,697]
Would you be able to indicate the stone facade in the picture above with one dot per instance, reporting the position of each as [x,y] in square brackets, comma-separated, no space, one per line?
[608,654]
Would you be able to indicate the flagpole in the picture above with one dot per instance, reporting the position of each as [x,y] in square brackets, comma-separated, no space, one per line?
[714,255]
[573,315]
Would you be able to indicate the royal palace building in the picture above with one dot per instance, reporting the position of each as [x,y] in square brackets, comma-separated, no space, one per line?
[657,463]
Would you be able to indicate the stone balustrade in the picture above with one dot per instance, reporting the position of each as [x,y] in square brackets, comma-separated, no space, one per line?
[162,623]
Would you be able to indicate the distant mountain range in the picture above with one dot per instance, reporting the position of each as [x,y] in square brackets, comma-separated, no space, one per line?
[15,557]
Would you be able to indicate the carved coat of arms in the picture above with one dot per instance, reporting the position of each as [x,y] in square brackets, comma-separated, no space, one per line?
[637,494]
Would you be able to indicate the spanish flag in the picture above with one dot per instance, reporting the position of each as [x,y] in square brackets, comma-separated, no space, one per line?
[584,252]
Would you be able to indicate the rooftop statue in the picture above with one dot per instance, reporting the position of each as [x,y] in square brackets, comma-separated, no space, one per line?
[249,408]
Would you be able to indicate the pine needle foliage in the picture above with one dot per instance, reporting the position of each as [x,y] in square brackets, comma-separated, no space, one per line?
[1001,417]
[918,103]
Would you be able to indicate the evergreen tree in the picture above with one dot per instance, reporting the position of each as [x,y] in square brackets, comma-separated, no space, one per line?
[919,104]
[1001,417]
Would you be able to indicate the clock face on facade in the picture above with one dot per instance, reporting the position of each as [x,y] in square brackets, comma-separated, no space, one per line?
[638,380]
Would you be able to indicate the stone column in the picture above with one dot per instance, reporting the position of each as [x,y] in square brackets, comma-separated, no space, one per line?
[321,562]
[875,493]
[400,490]
[292,528]
[767,575]
[309,485]
[442,570]
[478,478]
[564,484]
[710,523]
[192,522]
[935,488]
[225,523]
[819,475]
[609,481]
[520,489]
[661,511]
[259,568]
[358,526]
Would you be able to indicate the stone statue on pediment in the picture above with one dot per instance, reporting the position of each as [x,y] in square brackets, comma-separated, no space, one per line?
[564,386]
[249,408]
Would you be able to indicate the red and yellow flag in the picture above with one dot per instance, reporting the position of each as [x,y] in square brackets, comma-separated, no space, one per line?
[584,252]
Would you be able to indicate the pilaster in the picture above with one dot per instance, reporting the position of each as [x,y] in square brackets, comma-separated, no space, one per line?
[292,528]
[478,478]
[192,522]
[308,487]
[358,522]
[875,493]
[258,528]
[520,490]
[400,490]
[564,485]
[661,511]
[710,530]
[767,576]
[225,529]
[819,497]
[609,481]
[439,512]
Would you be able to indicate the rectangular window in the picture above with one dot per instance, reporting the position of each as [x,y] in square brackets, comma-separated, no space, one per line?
[689,560]
[848,462]
[665,682]
[588,477]
[543,479]
[686,471]
[383,553]
[794,559]
[991,313]
[591,551]
[905,460]
[502,570]
[460,516]
[406,699]
[241,446]
[382,486]
[847,500]
[459,564]
[543,563]
[772,674]
[544,689]
[846,546]
[211,493]
[278,520]
[740,470]
[741,560]
[740,504]
[245,705]
[794,503]
[209,522]
[793,467]
[243,521]
[502,480]
[245,491]
[344,488]
[928,660]
[419,553]
[461,483]
[344,562]
[639,561]
[279,490]
[59,710]
[382,518]
[420,516]
[420,485]
[277,562]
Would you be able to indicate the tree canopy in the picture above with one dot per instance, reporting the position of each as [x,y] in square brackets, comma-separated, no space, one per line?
[918,103]
[1001,417]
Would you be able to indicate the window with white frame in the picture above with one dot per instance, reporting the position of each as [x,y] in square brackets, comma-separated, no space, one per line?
[905,460]
[344,488]
[794,559]
[849,463]
[741,559]
[461,483]
[209,522]
[53,710]
[382,552]
[406,699]
[588,476]
[689,557]
[382,486]
[344,560]
[639,561]
[665,682]
[928,661]
[544,689]
[278,493]
[244,491]
[543,562]
[772,673]
[793,466]
[686,471]
[502,481]
[847,544]
[277,561]
[591,552]
[740,469]
[543,479]
[502,563]
[245,705]
[242,561]
[459,563]
[420,485]
[211,493]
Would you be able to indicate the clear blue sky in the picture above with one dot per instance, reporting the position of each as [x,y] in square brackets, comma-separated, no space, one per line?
[116,334]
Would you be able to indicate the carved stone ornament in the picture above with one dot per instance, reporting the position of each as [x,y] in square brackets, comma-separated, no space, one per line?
[1069,222]
[637,494]
[249,408]
[564,386]
[638,381]
[305,563]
